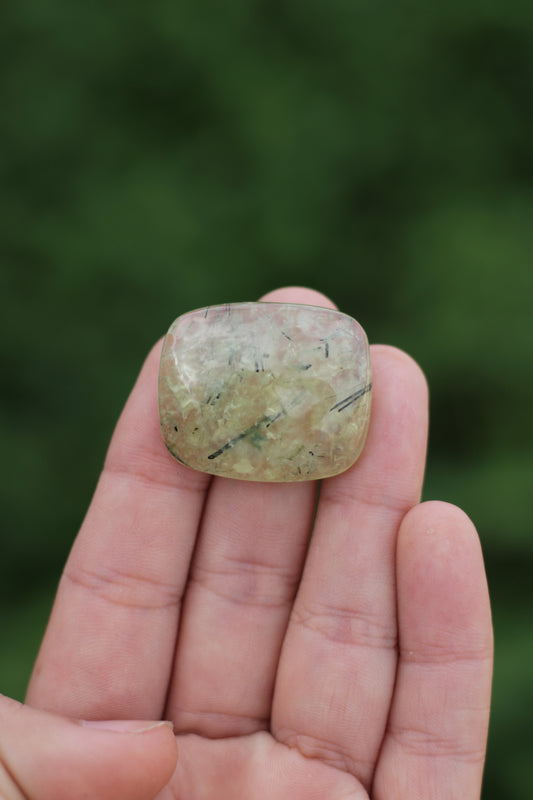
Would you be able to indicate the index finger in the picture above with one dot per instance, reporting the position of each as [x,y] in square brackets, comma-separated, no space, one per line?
[109,646]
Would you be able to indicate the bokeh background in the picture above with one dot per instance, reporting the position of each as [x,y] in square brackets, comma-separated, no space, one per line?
[156,157]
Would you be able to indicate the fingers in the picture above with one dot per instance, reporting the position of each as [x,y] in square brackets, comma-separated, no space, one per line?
[338,662]
[437,731]
[244,575]
[109,646]
[45,757]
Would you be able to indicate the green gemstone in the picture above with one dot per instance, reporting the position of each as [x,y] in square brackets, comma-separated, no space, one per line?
[265,391]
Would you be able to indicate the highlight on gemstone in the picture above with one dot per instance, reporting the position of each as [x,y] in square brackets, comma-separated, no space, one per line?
[265,391]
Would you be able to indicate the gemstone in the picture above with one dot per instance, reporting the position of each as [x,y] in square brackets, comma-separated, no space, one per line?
[265,391]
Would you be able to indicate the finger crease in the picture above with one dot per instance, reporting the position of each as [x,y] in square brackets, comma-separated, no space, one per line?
[396,506]
[150,479]
[346,626]
[324,751]
[425,743]
[438,656]
[251,596]
[124,589]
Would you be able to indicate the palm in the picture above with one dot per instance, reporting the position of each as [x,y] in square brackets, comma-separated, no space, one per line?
[256,767]
[355,665]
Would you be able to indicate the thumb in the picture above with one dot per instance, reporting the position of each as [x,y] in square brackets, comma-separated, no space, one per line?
[47,757]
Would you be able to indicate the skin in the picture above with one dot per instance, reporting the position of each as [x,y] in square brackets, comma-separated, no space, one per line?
[350,666]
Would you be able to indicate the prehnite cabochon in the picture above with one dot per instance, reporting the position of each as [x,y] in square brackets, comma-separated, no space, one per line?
[265,391]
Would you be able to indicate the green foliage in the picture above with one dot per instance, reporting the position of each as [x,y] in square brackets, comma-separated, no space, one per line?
[156,157]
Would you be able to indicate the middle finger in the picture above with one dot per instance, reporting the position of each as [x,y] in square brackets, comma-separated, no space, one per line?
[243,579]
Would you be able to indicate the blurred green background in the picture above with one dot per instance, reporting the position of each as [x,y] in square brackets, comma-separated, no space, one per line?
[156,157]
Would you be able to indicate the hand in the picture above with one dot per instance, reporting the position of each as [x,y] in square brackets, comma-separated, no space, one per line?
[354,665]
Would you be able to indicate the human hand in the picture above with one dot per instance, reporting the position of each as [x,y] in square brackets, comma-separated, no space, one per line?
[350,666]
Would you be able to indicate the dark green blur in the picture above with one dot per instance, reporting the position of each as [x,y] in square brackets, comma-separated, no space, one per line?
[156,157]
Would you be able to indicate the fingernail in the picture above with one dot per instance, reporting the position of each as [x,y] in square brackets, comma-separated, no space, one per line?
[126,725]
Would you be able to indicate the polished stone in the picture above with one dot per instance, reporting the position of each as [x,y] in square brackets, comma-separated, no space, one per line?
[265,391]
